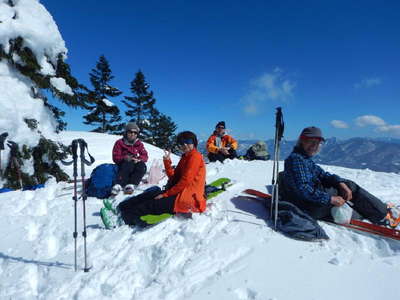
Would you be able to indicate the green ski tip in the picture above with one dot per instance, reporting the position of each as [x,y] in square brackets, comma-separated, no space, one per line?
[220,182]
[154,219]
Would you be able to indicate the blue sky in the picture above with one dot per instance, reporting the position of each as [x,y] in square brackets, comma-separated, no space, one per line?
[333,64]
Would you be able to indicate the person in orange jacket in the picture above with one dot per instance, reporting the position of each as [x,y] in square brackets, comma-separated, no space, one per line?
[184,192]
[221,146]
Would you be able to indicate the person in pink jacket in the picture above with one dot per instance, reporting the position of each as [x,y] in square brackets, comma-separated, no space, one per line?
[131,157]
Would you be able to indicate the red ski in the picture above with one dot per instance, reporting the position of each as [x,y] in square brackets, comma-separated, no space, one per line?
[390,232]
[257,193]
[354,224]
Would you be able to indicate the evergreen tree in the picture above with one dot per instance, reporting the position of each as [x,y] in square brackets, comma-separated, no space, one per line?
[41,71]
[162,130]
[103,113]
[140,105]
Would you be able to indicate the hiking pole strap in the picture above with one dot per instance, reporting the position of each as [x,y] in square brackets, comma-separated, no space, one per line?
[3,137]
[279,124]
[83,145]
[74,151]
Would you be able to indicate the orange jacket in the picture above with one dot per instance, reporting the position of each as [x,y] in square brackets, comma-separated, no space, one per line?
[187,182]
[225,140]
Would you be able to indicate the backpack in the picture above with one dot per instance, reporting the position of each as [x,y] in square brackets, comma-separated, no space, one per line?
[294,223]
[258,151]
[102,180]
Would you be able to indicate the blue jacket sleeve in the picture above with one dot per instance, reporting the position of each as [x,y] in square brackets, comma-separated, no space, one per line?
[300,179]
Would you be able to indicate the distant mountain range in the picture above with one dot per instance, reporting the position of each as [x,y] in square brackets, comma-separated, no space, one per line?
[380,154]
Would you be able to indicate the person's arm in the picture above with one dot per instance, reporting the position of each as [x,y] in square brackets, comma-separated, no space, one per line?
[299,179]
[211,145]
[143,156]
[328,179]
[169,170]
[117,153]
[189,172]
[234,143]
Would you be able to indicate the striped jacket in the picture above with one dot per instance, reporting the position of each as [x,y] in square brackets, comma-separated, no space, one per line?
[305,180]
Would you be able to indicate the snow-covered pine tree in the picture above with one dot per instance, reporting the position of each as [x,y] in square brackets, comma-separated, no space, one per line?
[139,106]
[104,113]
[32,62]
[162,130]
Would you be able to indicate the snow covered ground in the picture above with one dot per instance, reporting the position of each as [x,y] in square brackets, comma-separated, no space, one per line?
[226,253]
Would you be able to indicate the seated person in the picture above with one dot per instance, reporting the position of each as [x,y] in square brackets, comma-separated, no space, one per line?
[131,157]
[184,192]
[221,146]
[315,191]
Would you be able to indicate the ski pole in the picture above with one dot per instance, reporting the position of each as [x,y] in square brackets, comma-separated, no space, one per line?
[75,198]
[279,129]
[74,147]
[3,137]
[84,161]
[273,174]
[74,161]
[83,146]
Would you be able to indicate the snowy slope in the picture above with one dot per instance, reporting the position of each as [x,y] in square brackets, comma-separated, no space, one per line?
[226,253]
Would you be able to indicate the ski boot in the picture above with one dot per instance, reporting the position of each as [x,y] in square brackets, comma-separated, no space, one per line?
[110,220]
[393,216]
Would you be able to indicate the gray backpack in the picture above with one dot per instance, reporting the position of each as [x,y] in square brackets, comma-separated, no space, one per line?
[258,151]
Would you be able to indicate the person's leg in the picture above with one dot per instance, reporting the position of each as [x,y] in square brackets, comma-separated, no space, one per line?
[366,204]
[232,153]
[131,215]
[212,157]
[150,193]
[317,211]
[124,170]
[137,173]
[216,156]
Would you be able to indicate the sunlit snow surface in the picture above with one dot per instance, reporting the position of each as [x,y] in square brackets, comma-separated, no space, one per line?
[227,252]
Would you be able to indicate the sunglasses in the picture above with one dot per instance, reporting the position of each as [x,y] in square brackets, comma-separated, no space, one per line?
[187,142]
[220,127]
[132,131]
[314,142]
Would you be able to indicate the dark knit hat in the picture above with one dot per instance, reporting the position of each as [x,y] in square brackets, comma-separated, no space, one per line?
[131,126]
[220,123]
[312,133]
[187,137]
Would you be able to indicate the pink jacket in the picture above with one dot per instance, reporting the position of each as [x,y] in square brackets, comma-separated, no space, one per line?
[121,149]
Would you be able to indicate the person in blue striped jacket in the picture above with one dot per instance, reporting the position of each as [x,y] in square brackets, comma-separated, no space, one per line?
[316,191]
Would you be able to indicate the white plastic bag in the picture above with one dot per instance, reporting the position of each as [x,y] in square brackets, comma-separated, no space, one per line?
[342,214]
[156,172]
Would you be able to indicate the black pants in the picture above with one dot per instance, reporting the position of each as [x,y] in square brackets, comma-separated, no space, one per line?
[130,172]
[144,204]
[366,205]
[221,157]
